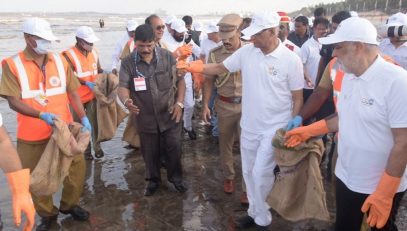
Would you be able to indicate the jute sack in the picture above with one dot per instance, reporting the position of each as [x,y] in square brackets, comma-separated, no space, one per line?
[51,170]
[298,192]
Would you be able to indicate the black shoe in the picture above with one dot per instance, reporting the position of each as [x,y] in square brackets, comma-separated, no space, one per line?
[151,188]
[77,213]
[46,223]
[262,228]
[99,154]
[191,134]
[180,187]
[244,222]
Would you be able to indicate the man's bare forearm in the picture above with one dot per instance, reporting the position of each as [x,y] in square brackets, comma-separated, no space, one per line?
[181,88]
[314,102]
[397,161]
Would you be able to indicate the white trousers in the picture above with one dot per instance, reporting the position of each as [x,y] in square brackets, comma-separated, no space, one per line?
[257,166]
[189,102]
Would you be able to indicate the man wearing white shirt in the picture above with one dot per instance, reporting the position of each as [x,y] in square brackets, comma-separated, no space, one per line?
[283,33]
[213,40]
[175,43]
[310,57]
[396,47]
[269,71]
[310,54]
[131,27]
[371,174]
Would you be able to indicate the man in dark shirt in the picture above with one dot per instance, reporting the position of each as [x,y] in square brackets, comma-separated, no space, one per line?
[151,88]
[301,33]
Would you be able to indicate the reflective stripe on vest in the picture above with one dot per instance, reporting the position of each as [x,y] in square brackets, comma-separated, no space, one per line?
[336,77]
[131,44]
[26,92]
[79,73]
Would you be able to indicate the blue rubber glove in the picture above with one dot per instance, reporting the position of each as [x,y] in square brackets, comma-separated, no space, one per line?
[48,118]
[294,123]
[89,84]
[86,124]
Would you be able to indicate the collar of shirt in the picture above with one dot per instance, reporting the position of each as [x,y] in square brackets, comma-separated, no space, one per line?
[30,56]
[275,53]
[372,70]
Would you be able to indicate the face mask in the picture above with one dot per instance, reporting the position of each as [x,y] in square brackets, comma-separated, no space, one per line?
[43,46]
[87,47]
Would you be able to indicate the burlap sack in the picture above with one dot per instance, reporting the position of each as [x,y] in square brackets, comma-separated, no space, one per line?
[109,113]
[298,192]
[130,134]
[51,170]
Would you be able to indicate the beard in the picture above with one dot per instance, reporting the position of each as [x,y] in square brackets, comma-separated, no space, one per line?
[178,38]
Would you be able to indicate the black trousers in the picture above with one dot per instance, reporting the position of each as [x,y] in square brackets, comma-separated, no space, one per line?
[167,144]
[348,209]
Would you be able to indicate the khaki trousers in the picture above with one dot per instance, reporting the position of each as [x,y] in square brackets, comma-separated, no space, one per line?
[30,154]
[229,130]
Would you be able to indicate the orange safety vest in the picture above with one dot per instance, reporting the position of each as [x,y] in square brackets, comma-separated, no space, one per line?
[337,77]
[86,69]
[130,43]
[30,78]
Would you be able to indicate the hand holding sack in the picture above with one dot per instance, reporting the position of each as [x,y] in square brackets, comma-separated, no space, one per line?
[89,84]
[294,123]
[302,134]
[47,117]
[86,124]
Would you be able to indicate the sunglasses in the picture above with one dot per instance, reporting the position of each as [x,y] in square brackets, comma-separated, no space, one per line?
[160,27]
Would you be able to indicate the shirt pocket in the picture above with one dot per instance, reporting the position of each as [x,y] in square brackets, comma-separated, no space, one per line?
[164,80]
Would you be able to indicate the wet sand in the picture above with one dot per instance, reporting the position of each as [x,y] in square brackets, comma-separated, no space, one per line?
[113,193]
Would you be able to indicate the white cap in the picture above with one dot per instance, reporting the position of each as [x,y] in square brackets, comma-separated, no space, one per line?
[211,27]
[131,25]
[353,13]
[178,25]
[169,19]
[40,28]
[86,33]
[260,22]
[197,26]
[398,19]
[353,29]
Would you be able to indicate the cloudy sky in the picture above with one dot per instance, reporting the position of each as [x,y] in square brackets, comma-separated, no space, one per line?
[148,6]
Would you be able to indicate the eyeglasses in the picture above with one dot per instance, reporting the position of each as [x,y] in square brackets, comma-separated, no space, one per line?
[161,27]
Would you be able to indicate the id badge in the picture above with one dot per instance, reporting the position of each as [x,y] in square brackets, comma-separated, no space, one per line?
[140,84]
[41,99]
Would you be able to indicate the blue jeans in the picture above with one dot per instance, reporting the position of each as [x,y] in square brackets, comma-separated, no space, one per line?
[214,119]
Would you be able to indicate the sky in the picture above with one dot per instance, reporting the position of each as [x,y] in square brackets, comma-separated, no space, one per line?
[150,6]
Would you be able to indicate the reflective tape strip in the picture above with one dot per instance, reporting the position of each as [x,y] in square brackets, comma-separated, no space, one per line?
[27,93]
[22,74]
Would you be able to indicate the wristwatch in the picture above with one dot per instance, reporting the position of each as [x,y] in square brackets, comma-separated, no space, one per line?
[181,105]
